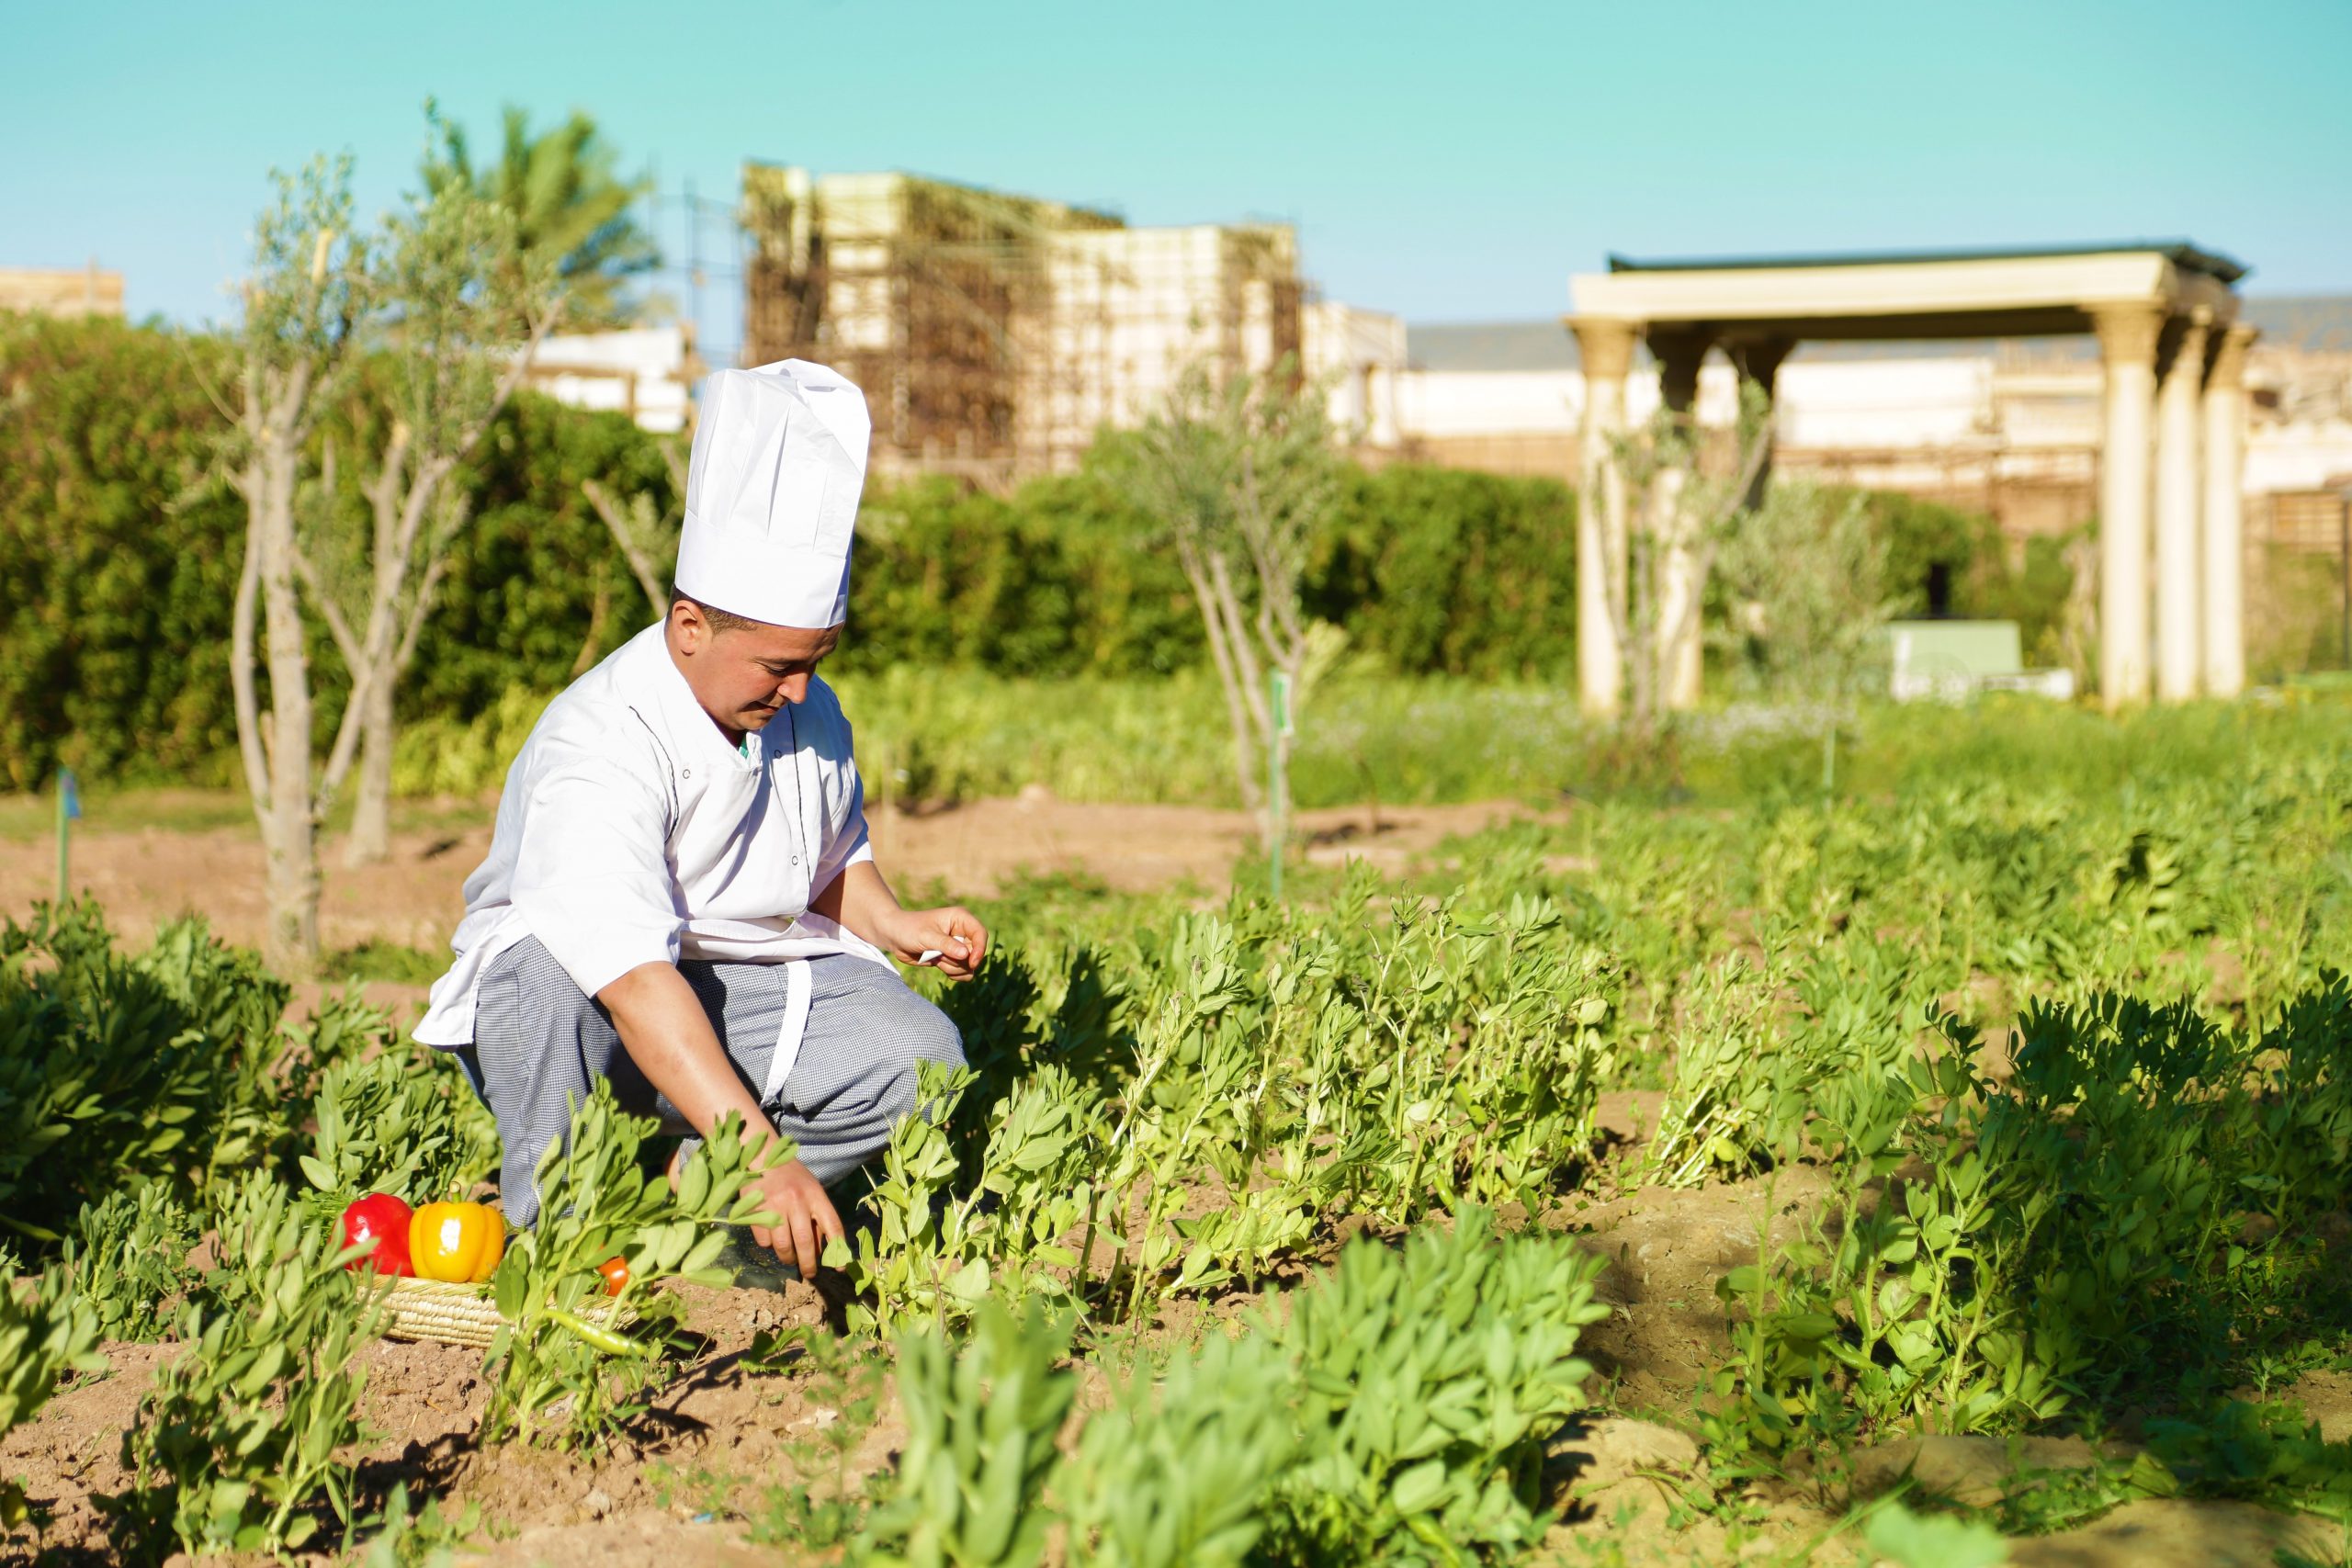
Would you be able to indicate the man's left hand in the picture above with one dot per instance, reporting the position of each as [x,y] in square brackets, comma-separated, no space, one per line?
[955,934]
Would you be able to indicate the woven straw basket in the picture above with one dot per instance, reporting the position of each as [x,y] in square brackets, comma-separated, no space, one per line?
[464,1315]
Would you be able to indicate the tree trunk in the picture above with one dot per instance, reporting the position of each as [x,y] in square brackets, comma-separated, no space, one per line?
[289,833]
[371,810]
[1245,752]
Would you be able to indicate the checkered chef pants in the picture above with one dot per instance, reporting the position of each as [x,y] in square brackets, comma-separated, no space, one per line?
[540,1044]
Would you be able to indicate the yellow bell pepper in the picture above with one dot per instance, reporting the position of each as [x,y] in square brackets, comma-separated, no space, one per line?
[457,1242]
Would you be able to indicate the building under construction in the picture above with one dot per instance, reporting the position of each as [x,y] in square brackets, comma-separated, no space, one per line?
[994,334]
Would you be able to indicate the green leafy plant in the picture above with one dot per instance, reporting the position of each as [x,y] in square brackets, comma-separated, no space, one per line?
[981,1426]
[426,1537]
[1930,1541]
[1428,1380]
[129,1260]
[116,1071]
[236,1445]
[1177,1470]
[1277,1074]
[2270,1453]
[257,1222]
[403,1121]
[559,1377]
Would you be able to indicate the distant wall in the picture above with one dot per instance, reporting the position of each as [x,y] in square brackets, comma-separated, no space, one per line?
[85,291]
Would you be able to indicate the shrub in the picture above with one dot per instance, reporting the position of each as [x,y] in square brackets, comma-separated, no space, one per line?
[1440,572]
[119,551]
[118,1071]
[122,550]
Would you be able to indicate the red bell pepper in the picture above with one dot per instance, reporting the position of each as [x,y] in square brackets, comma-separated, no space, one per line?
[383,1219]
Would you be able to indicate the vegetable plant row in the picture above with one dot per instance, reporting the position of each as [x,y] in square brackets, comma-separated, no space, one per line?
[2056,1051]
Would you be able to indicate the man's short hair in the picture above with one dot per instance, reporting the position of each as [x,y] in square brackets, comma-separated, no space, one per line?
[718,620]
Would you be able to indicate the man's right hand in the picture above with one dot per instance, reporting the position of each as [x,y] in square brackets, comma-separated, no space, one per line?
[670,1037]
[793,1193]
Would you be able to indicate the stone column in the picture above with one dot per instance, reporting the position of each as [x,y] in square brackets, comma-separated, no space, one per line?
[1607,349]
[1679,352]
[2178,553]
[2225,630]
[2127,341]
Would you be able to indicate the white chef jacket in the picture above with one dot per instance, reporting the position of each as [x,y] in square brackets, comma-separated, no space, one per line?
[631,831]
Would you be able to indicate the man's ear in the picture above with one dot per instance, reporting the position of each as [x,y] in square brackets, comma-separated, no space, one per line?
[686,620]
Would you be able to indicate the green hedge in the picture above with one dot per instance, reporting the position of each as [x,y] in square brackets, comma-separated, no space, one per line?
[119,557]
[119,551]
[1440,572]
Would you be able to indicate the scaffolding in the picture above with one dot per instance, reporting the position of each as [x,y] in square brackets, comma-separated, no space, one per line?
[995,334]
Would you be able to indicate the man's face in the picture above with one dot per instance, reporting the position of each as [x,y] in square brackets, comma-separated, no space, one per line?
[744,675]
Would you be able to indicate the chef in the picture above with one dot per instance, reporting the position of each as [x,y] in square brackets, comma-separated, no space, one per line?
[680,896]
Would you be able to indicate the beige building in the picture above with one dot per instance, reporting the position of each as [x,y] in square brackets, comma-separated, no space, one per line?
[1360,354]
[995,334]
[2009,427]
[643,372]
[85,291]
[2171,429]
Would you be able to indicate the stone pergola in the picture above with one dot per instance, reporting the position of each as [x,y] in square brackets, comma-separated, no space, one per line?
[2172,447]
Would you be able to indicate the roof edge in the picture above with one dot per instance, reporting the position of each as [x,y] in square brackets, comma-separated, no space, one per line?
[2182,254]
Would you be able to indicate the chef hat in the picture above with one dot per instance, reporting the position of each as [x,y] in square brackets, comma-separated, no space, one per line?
[772,494]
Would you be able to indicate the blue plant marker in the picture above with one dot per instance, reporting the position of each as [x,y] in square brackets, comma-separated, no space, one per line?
[69,810]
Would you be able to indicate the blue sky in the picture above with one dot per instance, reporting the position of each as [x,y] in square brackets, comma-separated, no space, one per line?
[1448,162]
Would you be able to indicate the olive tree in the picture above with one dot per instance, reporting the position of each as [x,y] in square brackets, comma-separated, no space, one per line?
[1238,474]
[1805,579]
[462,306]
[449,308]
[646,533]
[1806,582]
[304,305]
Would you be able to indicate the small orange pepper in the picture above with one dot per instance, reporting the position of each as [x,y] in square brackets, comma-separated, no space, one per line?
[615,1273]
[461,1243]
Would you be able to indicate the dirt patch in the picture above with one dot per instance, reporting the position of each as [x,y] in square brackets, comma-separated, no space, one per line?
[2325,1396]
[2170,1533]
[148,875]
[424,1404]
[1666,1249]
[628,1541]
